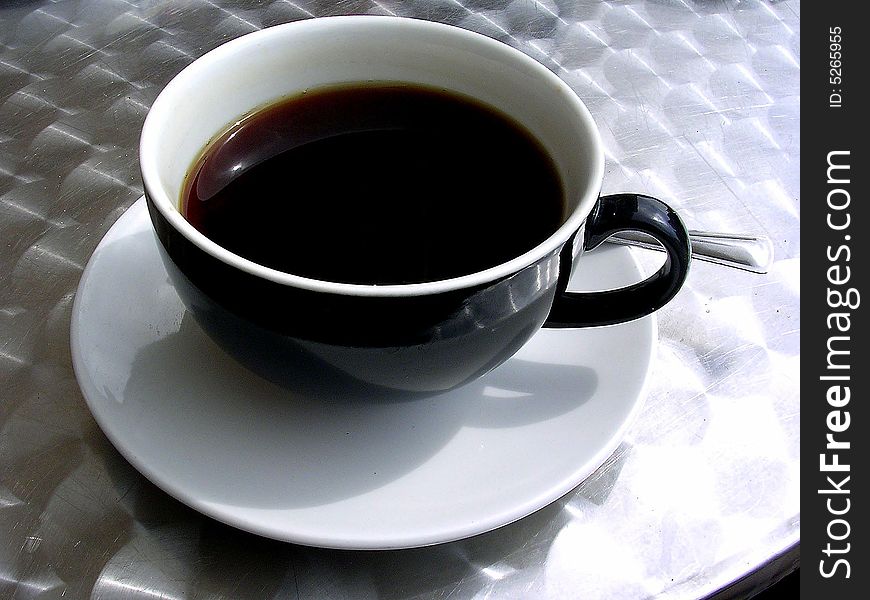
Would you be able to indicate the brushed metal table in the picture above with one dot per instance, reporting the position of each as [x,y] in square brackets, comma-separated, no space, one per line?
[698,103]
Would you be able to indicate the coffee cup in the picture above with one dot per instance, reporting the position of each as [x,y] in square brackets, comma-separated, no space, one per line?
[426,336]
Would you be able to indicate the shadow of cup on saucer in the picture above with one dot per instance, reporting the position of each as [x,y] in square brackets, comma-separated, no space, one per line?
[315,448]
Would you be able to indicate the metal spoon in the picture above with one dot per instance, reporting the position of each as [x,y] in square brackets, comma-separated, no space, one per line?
[747,252]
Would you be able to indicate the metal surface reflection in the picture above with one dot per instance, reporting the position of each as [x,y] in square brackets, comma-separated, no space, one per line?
[698,103]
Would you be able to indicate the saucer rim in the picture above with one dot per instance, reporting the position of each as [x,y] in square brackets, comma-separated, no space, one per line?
[266,528]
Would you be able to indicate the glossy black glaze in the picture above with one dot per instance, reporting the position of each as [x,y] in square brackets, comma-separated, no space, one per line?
[420,343]
[621,212]
[316,341]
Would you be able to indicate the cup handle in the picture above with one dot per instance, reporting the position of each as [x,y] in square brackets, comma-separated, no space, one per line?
[622,212]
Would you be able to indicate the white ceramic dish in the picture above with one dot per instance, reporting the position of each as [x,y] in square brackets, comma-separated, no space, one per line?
[366,473]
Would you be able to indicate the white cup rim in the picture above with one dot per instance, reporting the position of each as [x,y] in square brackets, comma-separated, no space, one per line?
[149,148]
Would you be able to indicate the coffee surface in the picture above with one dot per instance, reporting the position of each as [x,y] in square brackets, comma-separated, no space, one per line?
[375,184]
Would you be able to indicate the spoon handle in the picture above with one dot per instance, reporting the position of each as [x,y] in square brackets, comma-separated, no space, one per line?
[747,252]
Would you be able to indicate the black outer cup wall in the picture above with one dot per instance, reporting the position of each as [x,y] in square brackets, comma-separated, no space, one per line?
[424,343]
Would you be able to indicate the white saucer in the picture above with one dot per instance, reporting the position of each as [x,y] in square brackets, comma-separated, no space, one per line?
[346,474]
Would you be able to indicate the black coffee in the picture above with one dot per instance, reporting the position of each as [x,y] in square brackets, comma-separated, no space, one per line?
[375,184]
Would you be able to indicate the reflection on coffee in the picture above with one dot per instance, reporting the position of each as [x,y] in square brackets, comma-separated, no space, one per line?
[375,184]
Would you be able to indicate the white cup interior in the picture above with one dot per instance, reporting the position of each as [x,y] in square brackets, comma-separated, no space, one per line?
[261,68]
